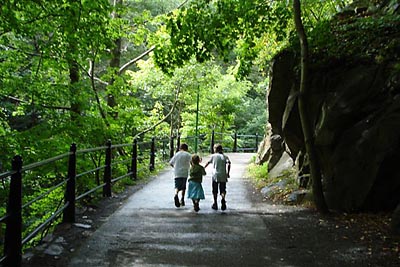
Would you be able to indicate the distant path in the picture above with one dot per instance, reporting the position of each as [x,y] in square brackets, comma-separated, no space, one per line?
[149,231]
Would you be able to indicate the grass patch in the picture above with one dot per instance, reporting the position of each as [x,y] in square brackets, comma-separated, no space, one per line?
[280,187]
[259,174]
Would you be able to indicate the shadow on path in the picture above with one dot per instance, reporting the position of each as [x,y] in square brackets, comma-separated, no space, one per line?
[147,230]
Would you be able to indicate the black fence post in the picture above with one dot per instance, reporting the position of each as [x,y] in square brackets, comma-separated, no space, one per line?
[212,142]
[178,143]
[235,142]
[69,212]
[13,234]
[256,143]
[152,154]
[107,171]
[134,160]
[163,150]
[171,147]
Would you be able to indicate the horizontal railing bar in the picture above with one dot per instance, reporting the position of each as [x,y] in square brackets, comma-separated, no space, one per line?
[121,177]
[6,174]
[248,135]
[94,149]
[121,145]
[90,171]
[43,162]
[144,143]
[45,223]
[189,137]
[90,191]
[224,133]
[44,194]
[4,217]
[121,162]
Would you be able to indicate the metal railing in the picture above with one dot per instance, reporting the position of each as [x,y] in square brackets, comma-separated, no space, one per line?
[115,156]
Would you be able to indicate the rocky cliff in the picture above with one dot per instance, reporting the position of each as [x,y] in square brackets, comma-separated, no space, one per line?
[354,107]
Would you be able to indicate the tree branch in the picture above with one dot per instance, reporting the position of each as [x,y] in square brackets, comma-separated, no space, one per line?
[182,4]
[92,78]
[15,99]
[165,118]
[133,61]
[159,122]
[122,69]
[90,74]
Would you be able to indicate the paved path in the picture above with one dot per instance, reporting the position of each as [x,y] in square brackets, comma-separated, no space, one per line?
[149,231]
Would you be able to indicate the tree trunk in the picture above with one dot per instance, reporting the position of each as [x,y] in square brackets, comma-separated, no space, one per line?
[315,171]
[75,110]
[115,64]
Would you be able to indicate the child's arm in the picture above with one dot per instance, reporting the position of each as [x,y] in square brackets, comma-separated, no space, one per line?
[229,167]
[203,171]
[208,163]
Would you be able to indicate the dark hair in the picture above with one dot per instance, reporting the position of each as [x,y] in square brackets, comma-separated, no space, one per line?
[218,148]
[195,159]
[184,147]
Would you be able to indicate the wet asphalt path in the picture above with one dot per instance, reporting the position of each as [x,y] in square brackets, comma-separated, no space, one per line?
[150,231]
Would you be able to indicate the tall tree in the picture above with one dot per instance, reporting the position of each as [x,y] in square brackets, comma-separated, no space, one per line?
[243,29]
[315,171]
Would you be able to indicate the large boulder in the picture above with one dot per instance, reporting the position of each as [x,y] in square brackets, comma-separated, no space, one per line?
[396,221]
[355,111]
[353,106]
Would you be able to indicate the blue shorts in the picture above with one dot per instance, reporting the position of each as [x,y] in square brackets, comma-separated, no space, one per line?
[180,183]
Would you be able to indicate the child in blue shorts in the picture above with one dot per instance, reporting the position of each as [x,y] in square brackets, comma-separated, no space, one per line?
[181,164]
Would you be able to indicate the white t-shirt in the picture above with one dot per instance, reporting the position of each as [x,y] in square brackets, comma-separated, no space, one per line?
[181,163]
[219,162]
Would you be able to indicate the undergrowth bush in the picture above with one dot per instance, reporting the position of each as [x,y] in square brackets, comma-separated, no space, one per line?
[258,173]
[281,186]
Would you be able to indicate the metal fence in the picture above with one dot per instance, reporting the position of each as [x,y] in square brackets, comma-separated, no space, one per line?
[71,186]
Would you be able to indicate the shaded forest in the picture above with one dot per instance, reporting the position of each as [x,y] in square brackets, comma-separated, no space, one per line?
[87,71]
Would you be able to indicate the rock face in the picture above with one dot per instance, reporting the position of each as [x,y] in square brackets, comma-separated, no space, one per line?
[396,221]
[355,111]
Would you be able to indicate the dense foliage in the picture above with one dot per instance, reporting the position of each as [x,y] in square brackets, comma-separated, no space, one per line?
[340,38]
[82,72]
[88,71]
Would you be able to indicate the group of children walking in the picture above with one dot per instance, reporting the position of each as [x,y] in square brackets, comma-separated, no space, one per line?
[185,164]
